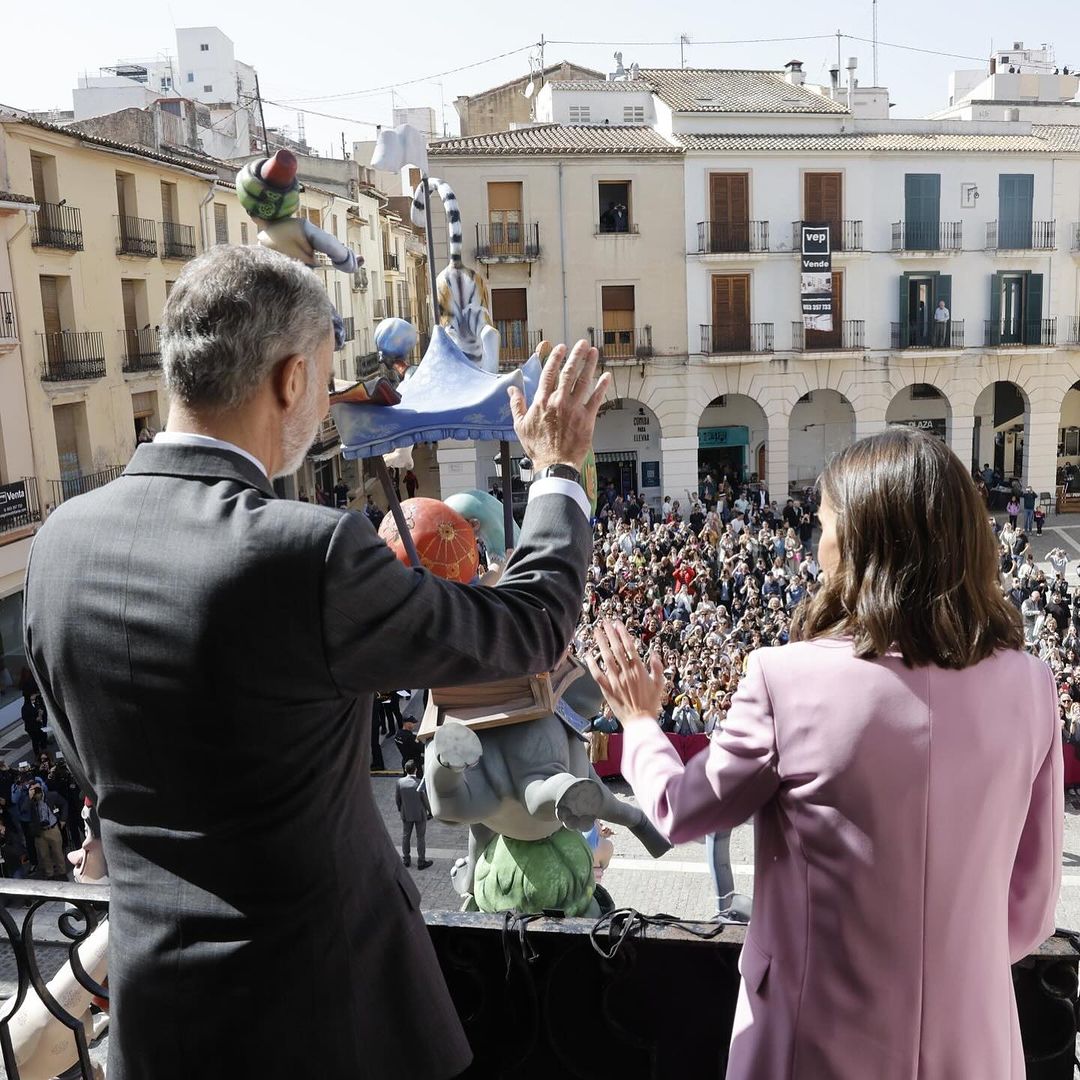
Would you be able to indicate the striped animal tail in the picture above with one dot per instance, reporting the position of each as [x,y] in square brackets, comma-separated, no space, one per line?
[450,205]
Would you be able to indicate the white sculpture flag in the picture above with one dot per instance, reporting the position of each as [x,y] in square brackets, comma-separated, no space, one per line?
[398,147]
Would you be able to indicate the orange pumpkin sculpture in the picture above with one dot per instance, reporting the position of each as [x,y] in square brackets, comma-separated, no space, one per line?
[444,540]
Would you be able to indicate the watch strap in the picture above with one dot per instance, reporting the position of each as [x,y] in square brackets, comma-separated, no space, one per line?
[563,472]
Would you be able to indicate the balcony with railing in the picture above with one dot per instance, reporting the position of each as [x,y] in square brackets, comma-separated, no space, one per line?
[178,241]
[523,975]
[349,326]
[1075,245]
[382,309]
[327,438]
[508,242]
[19,507]
[141,350]
[516,342]
[627,344]
[71,357]
[57,225]
[70,486]
[1020,236]
[403,309]
[736,338]
[927,236]
[849,236]
[366,365]
[1031,333]
[727,238]
[9,327]
[939,335]
[1073,334]
[391,262]
[849,335]
[136,236]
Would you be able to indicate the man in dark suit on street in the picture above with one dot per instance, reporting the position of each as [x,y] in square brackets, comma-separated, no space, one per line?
[413,807]
[182,615]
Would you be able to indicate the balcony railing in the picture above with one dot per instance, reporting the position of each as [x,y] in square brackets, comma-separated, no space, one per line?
[404,309]
[516,342]
[19,506]
[1076,236]
[508,241]
[1020,236]
[519,977]
[851,334]
[382,309]
[178,241]
[717,237]
[628,344]
[1036,332]
[70,486]
[136,236]
[1074,330]
[350,328]
[57,225]
[326,438]
[939,335]
[70,357]
[927,235]
[141,350]
[9,328]
[390,262]
[367,365]
[849,238]
[737,338]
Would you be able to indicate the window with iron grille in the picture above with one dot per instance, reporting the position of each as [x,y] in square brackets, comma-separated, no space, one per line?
[243,232]
[579,114]
[633,114]
[221,223]
[207,89]
[204,47]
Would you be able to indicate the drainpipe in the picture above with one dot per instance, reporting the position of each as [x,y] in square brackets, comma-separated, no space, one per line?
[562,261]
[204,233]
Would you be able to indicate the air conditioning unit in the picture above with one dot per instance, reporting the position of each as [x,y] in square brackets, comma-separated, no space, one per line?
[360,280]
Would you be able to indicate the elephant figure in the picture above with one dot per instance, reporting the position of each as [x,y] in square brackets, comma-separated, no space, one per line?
[527,791]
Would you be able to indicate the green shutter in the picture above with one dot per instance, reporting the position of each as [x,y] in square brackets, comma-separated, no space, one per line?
[943,290]
[922,210]
[1016,194]
[1033,290]
[993,336]
[905,313]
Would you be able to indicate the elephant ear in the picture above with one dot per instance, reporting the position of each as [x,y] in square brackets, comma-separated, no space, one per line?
[583,695]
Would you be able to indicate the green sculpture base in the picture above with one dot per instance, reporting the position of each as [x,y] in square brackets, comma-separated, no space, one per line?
[535,875]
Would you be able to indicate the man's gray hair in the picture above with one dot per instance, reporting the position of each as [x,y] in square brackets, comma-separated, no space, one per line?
[233,314]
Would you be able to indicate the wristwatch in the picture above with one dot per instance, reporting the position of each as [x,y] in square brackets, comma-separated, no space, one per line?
[563,472]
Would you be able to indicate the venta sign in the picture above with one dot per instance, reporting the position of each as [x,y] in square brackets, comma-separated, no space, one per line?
[13,503]
[815,280]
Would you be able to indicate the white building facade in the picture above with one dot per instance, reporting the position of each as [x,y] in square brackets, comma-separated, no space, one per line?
[979,214]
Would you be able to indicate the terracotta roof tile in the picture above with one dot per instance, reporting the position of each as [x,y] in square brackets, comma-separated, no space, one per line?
[721,90]
[10,196]
[560,139]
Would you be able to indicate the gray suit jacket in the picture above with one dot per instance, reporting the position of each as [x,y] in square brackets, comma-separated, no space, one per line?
[411,803]
[208,653]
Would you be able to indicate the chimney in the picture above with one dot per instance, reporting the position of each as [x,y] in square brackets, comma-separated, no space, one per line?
[993,65]
[834,77]
[794,72]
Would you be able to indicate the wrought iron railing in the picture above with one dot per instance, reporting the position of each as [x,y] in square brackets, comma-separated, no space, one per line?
[518,973]
[136,236]
[509,240]
[70,486]
[938,335]
[390,262]
[999,335]
[58,225]
[404,309]
[848,238]
[1074,330]
[516,342]
[9,327]
[178,241]
[716,237]
[927,235]
[349,324]
[737,338]
[382,309]
[1020,236]
[19,506]
[141,349]
[850,334]
[631,343]
[71,356]
[367,365]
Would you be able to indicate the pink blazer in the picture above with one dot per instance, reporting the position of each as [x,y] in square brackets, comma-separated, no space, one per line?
[907,850]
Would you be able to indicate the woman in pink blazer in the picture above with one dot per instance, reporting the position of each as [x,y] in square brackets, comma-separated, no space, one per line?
[908,829]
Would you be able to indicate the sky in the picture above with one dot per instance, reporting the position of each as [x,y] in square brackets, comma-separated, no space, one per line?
[321,51]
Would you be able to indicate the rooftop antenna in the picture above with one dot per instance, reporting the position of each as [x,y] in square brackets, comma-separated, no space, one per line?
[876,83]
[684,40]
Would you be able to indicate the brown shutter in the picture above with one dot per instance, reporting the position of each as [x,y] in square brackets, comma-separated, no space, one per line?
[131,319]
[50,305]
[509,304]
[121,202]
[824,202]
[504,197]
[166,202]
[731,312]
[729,211]
[37,170]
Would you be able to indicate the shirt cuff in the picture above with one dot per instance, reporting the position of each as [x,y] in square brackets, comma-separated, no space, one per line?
[558,485]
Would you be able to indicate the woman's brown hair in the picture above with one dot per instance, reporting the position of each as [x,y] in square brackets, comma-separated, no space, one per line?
[918,568]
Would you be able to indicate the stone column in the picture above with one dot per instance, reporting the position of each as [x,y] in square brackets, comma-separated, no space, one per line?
[960,428]
[1040,450]
[776,456]
[679,466]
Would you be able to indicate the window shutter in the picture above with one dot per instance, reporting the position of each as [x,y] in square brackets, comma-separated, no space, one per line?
[995,300]
[37,170]
[1033,309]
[904,311]
[943,290]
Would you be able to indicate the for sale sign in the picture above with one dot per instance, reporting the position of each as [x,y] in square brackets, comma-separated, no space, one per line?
[815,283]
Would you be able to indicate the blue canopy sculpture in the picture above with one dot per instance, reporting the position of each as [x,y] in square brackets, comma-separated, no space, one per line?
[447,396]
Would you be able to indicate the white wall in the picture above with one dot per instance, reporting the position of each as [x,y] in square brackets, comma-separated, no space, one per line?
[829,423]
[631,430]
[216,67]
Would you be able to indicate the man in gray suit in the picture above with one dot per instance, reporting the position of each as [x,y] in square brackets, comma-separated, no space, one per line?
[412,804]
[182,616]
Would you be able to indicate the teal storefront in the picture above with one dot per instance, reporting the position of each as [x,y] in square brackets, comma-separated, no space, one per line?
[723,450]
